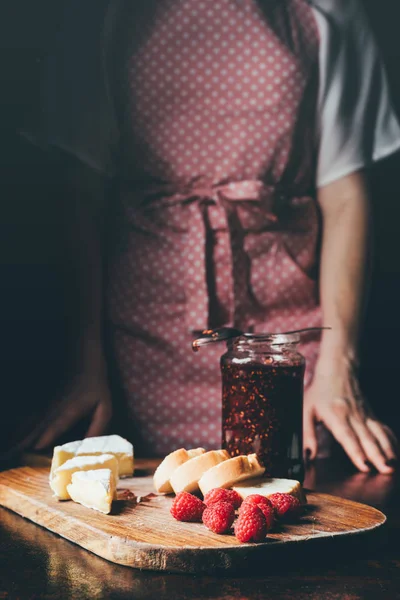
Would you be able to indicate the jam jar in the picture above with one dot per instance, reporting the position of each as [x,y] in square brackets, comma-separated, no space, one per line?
[262,401]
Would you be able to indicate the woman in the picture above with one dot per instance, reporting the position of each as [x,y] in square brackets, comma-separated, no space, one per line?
[236,134]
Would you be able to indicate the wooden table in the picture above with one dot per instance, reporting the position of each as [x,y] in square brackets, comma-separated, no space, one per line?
[35,564]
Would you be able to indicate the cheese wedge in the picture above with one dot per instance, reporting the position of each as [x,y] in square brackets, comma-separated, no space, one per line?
[93,489]
[62,475]
[63,453]
[230,472]
[95,446]
[267,487]
[186,477]
[171,462]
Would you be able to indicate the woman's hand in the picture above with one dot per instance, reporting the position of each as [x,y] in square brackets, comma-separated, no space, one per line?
[83,204]
[335,399]
[334,396]
[89,395]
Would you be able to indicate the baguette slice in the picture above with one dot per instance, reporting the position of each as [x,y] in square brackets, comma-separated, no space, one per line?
[186,477]
[93,489]
[170,463]
[62,475]
[230,472]
[267,487]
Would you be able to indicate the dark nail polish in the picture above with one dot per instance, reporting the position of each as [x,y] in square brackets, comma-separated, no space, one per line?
[308,454]
[391,462]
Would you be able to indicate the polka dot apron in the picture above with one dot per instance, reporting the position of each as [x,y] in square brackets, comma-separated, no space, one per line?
[217,223]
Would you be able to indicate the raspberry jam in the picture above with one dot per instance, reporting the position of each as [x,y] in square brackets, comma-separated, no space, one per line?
[262,401]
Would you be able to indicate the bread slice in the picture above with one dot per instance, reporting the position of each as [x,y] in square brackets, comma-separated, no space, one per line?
[170,463]
[186,477]
[62,476]
[93,489]
[230,472]
[267,487]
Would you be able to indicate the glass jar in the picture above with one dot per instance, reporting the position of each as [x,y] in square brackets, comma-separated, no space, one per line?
[262,401]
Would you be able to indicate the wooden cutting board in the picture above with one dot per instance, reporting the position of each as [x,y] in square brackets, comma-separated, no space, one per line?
[145,536]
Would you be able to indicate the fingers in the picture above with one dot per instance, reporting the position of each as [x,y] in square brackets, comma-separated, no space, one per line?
[371,446]
[392,437]
[24,444]
[346,436]
[309,435]
[361,443]
[101,418]
[385,437]
[367,442]
[66,418]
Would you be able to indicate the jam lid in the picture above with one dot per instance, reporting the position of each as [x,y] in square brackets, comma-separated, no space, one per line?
[209,336]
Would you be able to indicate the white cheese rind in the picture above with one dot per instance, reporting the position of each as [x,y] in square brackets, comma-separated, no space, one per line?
[267,487]
[62,476]
[93,489]
[63,453]
[95,446]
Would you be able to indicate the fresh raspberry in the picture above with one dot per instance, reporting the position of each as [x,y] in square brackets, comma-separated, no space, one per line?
[258,499]
[219,517]
[222,495]
[187,507]
[265,505]
[286,507]
[251,525]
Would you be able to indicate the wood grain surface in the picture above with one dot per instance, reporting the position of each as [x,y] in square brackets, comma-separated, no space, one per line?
[145,536]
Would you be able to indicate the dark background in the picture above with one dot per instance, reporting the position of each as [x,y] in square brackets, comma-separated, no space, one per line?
[35,323]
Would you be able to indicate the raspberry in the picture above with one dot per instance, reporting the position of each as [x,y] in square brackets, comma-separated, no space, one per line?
[265,505]
[219,517]
[222,495]
[286,507]
[251,525]
[258,499]
[187,507]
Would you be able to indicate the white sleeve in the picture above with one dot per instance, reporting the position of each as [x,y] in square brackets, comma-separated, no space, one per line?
[75,112]
[357,124]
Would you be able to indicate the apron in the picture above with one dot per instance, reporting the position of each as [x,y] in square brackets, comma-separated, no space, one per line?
[217,221]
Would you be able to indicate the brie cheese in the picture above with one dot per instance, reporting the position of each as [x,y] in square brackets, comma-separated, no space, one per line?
[62,475]
[93,489]
[95,446]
